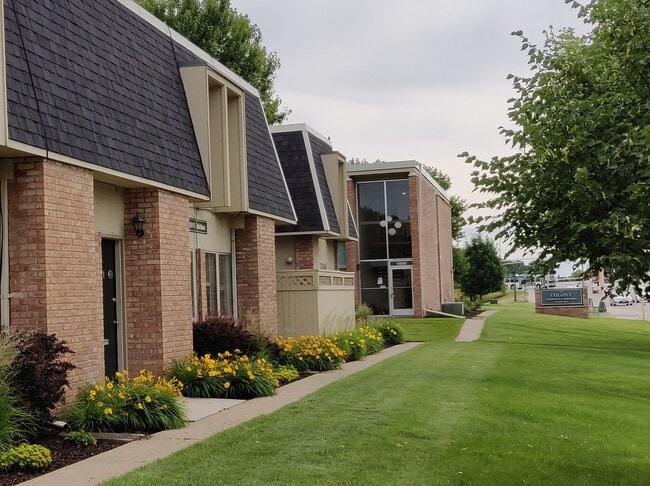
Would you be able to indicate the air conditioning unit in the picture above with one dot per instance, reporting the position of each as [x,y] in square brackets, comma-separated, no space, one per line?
[455,308]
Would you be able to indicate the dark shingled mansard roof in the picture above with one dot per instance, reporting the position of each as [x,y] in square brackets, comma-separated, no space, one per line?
[267,191]
[296,158]
[96,82]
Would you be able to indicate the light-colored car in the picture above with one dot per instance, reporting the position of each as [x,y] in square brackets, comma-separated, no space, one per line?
[621,300]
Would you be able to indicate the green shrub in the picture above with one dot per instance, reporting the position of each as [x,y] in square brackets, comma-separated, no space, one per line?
[26,456]
[218,334]
[226,376]
[362,314]
[39,374]
[391,332]
[310,353]
[81,438]
[142,404]
[470,305]
[285,374]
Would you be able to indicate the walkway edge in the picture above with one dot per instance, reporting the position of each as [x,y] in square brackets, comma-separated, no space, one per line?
[135,454]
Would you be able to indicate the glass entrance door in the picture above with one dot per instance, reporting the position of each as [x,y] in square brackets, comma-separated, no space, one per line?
[401,291]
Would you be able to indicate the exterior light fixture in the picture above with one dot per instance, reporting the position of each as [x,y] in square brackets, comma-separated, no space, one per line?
[289,260]
[138,225]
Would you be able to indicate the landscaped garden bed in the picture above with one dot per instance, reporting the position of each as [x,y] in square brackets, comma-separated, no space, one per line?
[147,403]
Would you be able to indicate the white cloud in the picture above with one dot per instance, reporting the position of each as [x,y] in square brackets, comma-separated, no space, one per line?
[418,79]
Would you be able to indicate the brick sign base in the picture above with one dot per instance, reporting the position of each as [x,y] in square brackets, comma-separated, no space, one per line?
[581,311]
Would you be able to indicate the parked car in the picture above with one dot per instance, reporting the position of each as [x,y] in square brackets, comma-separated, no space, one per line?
[621,300]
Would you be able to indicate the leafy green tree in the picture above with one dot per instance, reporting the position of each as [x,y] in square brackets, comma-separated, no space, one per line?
[461,266]
[577,186]
[486,273]
[458,205]
[229,37]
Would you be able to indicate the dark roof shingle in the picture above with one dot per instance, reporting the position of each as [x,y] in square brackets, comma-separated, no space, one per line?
[95,82]
[267,190]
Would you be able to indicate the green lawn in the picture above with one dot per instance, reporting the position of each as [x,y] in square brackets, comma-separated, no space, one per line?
[538,400]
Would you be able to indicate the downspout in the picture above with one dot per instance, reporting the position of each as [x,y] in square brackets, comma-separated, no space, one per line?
[4,258]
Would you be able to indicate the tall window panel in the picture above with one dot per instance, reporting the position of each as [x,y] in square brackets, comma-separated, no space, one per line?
[211,284]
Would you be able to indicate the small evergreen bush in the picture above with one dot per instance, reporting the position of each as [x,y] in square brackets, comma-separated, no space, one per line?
[218,334]
[39,373]
[26,456]
[81,438]
[285,374]
[142,404]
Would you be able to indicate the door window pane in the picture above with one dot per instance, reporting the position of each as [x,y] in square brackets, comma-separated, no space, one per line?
[225,284]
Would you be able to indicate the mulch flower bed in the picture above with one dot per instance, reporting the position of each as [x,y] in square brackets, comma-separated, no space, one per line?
[63,454]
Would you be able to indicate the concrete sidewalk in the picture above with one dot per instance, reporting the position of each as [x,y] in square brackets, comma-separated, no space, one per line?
[211,418]
[472,328]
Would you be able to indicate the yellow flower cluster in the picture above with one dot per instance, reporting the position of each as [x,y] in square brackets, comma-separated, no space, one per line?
[122,390]
[311,352]
[227,366]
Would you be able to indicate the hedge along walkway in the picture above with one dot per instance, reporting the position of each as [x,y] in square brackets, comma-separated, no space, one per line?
[472,328]
[131,456]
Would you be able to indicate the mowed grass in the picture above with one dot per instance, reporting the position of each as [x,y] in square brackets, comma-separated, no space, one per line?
[538,400]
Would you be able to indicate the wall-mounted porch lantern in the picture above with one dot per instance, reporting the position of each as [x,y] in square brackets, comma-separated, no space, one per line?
[138,225]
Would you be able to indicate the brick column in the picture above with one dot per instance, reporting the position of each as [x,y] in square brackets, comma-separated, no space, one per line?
[304,251]
[157,273]
[53,260]
[256,279]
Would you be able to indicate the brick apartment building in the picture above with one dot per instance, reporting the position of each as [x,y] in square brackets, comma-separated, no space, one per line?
[139,186]
[403,259]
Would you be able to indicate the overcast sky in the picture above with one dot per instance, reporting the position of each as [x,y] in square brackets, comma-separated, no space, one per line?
[416,79]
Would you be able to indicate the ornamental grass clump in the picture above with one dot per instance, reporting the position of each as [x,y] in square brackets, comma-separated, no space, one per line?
[229,375]
[310,353]
[392,333]
[15,421]
[142,404]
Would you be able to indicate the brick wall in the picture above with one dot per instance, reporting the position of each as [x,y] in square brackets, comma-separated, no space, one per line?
[53,260]
[157,279]
[304,251]
[256,280]
[445,244]
[581,311]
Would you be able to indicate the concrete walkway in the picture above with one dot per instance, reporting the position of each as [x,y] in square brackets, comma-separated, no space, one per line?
[472,328]
[211,418]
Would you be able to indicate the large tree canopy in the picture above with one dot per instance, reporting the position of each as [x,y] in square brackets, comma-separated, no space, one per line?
[229,37]
[485,272]
[578,186]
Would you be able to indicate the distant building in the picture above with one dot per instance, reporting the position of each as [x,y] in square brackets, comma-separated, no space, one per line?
[314,296]
[403,259]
